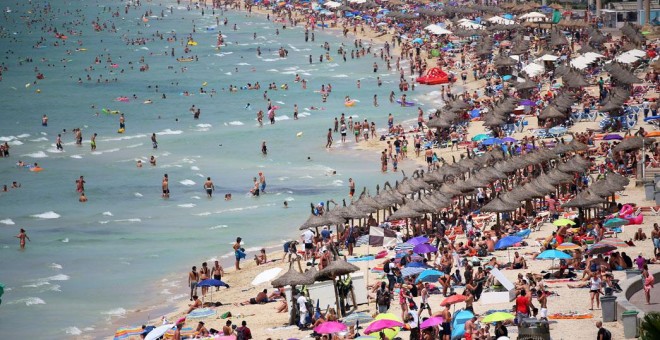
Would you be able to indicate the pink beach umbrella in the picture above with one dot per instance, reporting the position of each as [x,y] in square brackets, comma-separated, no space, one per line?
[430,322]
[330,327]
[382,324]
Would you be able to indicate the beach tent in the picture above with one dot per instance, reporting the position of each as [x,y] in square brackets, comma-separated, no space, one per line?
[501,21]
[630,57]
[533,69]
[547,57]
[331,4]
[533,16]
[470,25]
[435,29]
[499,297]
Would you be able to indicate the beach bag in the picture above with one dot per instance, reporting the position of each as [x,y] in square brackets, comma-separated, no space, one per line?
[386,268]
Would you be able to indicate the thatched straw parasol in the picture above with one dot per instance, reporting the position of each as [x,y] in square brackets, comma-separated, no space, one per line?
[551,112]
[315,221]
[633,143]
[292,278]
[405,211]
[332,271]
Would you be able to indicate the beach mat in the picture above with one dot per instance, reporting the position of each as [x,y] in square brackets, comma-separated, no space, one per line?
[201,313]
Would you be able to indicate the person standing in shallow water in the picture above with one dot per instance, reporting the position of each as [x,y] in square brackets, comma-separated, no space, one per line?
[209,187]
[238,253]
[22,236]
[166,187]
[264,148]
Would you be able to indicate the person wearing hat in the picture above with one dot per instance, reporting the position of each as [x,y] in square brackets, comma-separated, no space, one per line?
[201,331]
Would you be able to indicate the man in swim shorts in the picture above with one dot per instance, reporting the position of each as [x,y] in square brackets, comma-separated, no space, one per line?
[92,142]
[193,279]
[166,187]
[262,181]
[209,187]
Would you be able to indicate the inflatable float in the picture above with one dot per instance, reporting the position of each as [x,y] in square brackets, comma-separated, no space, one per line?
[405,103]
[121,131]
[299,134]
[111,112]
[192,43]
[122,99]
[36,169]
[433,77]
[185,60]
[349,103]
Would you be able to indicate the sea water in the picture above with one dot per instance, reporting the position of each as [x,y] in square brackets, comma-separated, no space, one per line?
[92,267]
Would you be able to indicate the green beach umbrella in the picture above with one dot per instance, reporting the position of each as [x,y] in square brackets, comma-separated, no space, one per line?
[497,316]
[562,222]
[480,137]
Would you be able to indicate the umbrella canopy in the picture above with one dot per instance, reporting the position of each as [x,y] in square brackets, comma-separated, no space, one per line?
[158,332]
[424,248]
[553,254]
[614,242]
[633,143]
[382,324]
[453,299]
[292,278]
[321,220]
[498,205]
[418,240]
[412,270]
[600,249]
[480,137]
[212,283]
[497,316]
[266,276]
[567,246]
[330,327]
[429,275]
[562,222]
[336,268]
[405,212]
[432,321]
[507,241]
[399,247]
[615,222]
[353,319]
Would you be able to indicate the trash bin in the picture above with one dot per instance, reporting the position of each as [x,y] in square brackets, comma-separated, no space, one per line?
[657,197]
[630,324]
[649,189]
[631,273]
[608,305]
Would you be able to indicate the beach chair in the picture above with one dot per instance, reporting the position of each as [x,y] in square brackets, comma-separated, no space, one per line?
[541,133]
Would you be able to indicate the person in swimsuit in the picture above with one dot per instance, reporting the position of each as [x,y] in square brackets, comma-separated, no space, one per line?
[22,236]
[238,253]
[154,142]
[209,187]
[445,333]
[92,142]
[217,272]
[193,279]
[262,182]
[122,122]
[58,143]
[351,188]
[204,274]
[429,157]
[80,184]
[166,187]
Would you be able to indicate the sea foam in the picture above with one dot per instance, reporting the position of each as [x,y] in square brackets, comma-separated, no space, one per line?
[47,215]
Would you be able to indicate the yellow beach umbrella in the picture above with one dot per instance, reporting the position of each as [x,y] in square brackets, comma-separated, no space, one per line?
[390,333]
[497,316]
[562,222]
[567,246]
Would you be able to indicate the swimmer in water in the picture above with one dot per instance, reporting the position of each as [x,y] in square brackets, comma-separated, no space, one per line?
[82,198]
[21,237]
[247,107]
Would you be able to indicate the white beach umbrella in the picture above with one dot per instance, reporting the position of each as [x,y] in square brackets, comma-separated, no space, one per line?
[533,16]
[548,57]
[266,276]
[533,69]
[331,4]
[158,332]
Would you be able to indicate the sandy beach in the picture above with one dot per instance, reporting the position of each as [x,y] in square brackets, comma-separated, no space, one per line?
[265,323]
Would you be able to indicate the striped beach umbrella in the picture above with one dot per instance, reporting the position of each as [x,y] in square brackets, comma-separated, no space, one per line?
[403,247]
[567,246]
[614,242]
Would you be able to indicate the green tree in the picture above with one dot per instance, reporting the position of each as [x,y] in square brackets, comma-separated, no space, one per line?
[650,327]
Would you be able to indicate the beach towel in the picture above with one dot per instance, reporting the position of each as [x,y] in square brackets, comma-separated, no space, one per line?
[201,313]
[225,315]
[185,332]
[363,258]
[570,316]
[126,332]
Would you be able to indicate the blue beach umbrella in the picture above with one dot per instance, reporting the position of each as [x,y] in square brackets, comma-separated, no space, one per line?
[491,141]
[429,275]
[418,41]
[506,77]
[507,241]
[553,254]
[416,264]
[509,140]
[480,137]
[212,283]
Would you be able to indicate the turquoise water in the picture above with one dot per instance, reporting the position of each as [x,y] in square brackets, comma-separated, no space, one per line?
[90,266]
